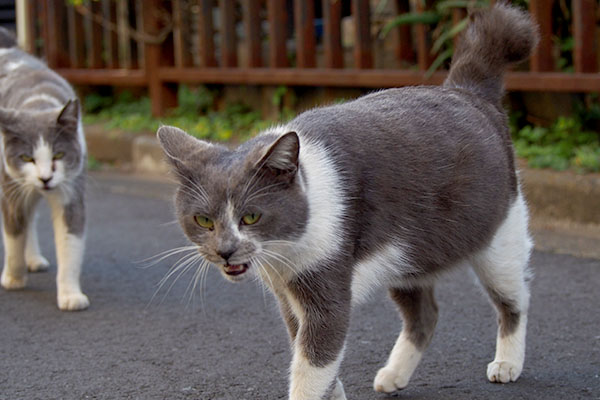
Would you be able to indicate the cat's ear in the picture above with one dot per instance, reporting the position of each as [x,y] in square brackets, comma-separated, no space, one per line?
[68,118]
[282,157]
[177,145]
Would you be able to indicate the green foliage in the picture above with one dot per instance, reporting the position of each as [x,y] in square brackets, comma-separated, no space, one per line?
[565,144]
[446,30]
[93,164]
[195,114]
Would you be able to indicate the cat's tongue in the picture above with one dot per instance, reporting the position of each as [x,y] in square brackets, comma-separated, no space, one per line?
[235,269]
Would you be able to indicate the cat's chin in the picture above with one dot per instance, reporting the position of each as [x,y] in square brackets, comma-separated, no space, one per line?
[235,273]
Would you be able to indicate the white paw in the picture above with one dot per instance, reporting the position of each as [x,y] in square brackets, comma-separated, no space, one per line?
[37,264]
[73,301]
[338,392]
[503,371]
[388,380]
[13,283]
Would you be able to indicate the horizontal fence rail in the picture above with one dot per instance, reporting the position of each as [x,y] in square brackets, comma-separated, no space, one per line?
[159,44]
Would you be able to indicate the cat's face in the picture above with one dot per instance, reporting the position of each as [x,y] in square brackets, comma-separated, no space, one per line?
[242,208]
[41,149]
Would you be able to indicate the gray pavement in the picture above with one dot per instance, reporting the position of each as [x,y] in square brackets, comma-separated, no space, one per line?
[228,342]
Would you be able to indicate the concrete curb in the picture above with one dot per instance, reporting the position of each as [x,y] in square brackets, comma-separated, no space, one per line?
[564,207]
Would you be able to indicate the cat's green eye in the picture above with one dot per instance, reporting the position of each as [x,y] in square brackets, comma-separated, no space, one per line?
[251,218]
[204,222]
[58,155]
[26,158]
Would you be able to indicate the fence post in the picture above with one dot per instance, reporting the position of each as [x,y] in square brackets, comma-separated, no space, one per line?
[162,95]
[228,34]
[304,17]
[252,29]
[541,60]
[363,52]
[54,21]
[278,24]
[584,26]
[332,34]
[403,35]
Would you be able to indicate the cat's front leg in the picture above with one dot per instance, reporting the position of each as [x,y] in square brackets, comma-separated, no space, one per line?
[322,311]
[69,232]
[33,256]
[15,218]
[14,273]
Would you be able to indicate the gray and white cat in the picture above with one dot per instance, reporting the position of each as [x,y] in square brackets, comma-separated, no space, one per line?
[392,190]
[43,155]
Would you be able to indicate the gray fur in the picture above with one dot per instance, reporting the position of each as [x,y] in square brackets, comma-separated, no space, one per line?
[37,105]
[419,313]
[429,167]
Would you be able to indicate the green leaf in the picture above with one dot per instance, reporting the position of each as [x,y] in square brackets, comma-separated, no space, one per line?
[438,62]
[449,34]
[427,18]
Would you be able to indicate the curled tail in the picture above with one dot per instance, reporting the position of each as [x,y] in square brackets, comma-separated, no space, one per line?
[494,39]
[7,38]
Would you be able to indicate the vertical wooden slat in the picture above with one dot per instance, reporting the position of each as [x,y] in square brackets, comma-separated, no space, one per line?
[162,95]
[228,36]
[402,34]
[136,16]
[125,42]
[54,15]
[423,42]
[181,33]
[43,17]
[277,16]
[31,16]
[277,33]
[584,26]
[458,14]
[94,39]
[111,39]
[541,60]
[304,22]
[252,25]
[363,52]
[332,33]
[76,38]
[206,33]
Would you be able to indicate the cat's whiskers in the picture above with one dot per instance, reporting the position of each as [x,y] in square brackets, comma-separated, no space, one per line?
[165,254]
[260,193]
[182,266]
[196,188]
[253,180]
[281,261]
[193,193]
[181,263]
[200,267]
[258,277]
[266,262]
[295,246]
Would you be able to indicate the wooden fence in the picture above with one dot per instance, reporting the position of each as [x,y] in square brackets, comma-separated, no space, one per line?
[159,44]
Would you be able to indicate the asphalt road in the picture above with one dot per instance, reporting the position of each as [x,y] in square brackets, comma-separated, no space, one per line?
[228,342]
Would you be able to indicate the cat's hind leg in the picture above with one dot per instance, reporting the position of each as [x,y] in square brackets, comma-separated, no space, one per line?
[503,271]
[33,257]
[419,313]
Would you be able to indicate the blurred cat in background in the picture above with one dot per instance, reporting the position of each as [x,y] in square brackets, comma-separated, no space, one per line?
[43,155]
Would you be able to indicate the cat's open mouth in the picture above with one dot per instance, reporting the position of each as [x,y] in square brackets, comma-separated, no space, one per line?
[235,270]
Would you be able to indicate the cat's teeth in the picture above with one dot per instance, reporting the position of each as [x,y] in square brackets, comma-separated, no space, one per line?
[236,269]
